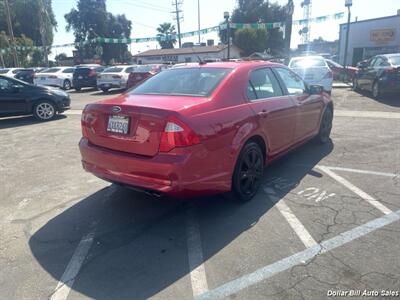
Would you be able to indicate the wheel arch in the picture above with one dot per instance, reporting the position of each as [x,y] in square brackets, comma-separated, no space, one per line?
[48,99]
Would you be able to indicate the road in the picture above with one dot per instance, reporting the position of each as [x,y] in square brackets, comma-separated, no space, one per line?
[327,219]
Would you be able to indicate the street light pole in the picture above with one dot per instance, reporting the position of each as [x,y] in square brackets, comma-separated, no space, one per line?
[348,4]
[228,33]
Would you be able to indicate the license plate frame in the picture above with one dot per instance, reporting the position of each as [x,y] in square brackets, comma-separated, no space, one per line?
[118,124]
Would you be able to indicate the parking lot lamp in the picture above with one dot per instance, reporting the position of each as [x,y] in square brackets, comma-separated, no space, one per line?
[348,4]
[226,17]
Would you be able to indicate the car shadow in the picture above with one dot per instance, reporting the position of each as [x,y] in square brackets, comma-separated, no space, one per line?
[139,249]
[12,122]
[389,99]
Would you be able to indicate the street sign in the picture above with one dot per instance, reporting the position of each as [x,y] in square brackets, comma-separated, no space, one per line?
[348,3]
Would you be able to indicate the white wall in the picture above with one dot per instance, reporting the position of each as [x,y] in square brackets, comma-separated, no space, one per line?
[360,35]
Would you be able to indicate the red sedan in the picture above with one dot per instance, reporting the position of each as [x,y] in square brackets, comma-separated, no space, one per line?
[203,128]
[141,73]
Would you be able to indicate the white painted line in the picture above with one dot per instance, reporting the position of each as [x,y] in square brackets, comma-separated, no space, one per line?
[290,217]
[367,114]
[356,190]
[361,171]
[266,272]
[73,112]
[68,278]
[195,253]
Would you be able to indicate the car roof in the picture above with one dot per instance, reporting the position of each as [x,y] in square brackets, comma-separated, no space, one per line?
[245,64]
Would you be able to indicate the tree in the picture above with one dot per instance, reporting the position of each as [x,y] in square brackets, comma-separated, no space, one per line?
[26,19]
[259,11]
[91,20]
[24,55]
[60,57]
[251,40]
[165,35]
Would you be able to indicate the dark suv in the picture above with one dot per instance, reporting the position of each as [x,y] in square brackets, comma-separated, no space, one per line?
[86,76]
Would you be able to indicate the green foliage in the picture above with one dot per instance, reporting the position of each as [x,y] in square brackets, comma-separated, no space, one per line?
[91,20]
[60,57]
[251,40]
[22,55]
[253,11]
[25,17]
[166,30]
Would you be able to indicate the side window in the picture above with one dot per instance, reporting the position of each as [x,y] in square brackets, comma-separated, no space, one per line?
[69,70]
[262,84]
[377,62]
[372,62]
[5,85]
[99,69]
[294,84]
[384,63]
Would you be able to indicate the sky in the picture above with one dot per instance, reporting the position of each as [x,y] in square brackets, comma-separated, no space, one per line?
[146,15]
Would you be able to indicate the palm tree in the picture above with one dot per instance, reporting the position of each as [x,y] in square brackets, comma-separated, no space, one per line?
[167,35]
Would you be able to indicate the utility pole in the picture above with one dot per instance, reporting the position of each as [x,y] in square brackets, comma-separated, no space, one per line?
[228,33]
[177,4]
[198,18]
[42,11]
[11,33]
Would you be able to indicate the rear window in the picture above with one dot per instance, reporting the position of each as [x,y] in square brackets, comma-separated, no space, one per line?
[3,71]
[307,63]
[395,60]
[143,69]
[16,71]
[52,70]
[199,82]
[113,70]
[82,70]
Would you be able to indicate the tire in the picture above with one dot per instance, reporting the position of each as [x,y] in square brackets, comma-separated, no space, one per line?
[325,127]
[44,110]
[248,173]
[77,88]
[376,91]
[355,84]
[105,90]
[66,85]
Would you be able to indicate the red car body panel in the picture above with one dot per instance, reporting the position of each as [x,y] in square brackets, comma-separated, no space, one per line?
[224,121]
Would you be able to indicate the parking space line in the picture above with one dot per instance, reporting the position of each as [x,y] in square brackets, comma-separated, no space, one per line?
[367,114]
[68,278]
[73,112]
[290,217]
[355,190]
[284,264]
[195,253]
[361,171]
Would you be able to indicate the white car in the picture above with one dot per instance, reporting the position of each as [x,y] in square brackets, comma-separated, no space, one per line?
[313,70]
[57,76]
[114,77]
[10,72]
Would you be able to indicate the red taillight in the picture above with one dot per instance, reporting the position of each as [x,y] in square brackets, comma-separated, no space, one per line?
[117,76]
[53,76]
[328,75]
[177,134]
[92,73]
[86,120]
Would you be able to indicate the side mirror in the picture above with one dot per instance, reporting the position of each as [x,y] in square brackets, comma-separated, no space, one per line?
[315,89]
[16,88]
[362,65]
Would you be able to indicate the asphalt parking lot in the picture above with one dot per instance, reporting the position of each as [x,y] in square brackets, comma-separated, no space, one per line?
[326,220]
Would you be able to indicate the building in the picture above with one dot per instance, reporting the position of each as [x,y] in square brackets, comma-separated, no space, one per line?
[328,47]
[181,55]
[370,37]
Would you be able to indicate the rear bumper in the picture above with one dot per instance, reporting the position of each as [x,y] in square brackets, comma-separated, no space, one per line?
[181,173]
[110,85]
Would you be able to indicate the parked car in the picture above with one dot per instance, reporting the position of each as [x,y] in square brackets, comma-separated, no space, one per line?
[26,75]
[57,76]
[313,70]
[203,128]
[114,77]
[380,75]
[339,72]
[141,73]
[20,98]
[86,76]
[10,72]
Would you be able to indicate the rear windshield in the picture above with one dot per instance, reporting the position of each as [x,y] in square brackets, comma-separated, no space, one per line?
[183,82]
[82,70]
[395,60]
[113,70]
[3,71]
[52,70]
[307,63]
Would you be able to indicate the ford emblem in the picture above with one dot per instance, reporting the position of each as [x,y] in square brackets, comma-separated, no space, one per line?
[116,109]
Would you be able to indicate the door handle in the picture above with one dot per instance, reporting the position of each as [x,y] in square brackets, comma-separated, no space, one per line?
[263,114]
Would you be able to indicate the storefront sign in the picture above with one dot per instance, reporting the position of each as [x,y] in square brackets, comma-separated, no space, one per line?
[381,36]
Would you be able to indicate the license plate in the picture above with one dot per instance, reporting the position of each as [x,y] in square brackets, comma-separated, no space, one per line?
[80,77]
[118,124]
